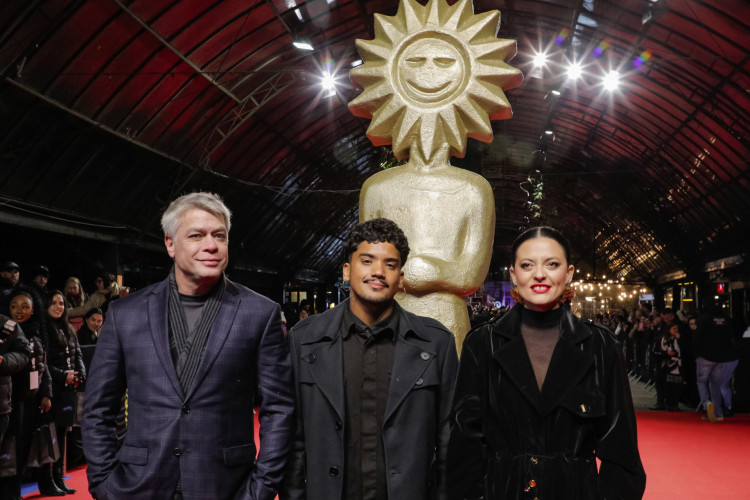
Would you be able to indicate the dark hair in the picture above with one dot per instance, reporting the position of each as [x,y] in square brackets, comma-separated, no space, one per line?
[58,325]
[541,232]
[31,294]
[106,277]
[92,311]
[376,231]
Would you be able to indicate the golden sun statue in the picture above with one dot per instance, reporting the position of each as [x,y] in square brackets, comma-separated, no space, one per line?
[433,76]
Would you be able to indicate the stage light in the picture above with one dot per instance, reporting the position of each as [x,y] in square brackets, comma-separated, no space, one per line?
[328,82]
[612,80]
[575,71]
[356,63]
[540,59]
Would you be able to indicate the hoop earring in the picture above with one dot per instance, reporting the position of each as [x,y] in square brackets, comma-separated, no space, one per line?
[402,291]
[516,296]
[567,294]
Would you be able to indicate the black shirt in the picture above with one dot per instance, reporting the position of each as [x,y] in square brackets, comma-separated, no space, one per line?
[368,361]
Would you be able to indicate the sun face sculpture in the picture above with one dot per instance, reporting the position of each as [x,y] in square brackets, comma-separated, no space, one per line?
[433,74]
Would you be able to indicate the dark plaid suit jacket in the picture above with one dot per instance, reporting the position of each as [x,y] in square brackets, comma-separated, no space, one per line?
[205,435]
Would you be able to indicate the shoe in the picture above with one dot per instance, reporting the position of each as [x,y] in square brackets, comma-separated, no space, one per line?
[47,487]
[57,477]
[729,412]
[711,412]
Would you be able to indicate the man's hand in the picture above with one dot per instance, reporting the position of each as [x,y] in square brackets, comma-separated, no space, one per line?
[46,404]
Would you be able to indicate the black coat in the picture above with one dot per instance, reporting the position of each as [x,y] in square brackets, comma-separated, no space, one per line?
[14,349]
[511,441]
[415,424]
[59,361]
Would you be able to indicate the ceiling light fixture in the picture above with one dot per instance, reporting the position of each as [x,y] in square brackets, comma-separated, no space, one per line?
[575,71]
[540,59]
[303,44]
[612,80]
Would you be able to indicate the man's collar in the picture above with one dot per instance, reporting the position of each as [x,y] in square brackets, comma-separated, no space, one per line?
[351,322]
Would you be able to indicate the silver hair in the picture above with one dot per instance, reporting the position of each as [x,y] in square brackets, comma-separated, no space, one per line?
[210,202]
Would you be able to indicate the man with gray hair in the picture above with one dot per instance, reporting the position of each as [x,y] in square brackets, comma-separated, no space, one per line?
[191,351]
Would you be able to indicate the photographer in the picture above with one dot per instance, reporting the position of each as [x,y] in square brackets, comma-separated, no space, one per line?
[68,373]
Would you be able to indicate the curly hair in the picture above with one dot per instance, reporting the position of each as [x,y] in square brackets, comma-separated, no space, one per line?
[376,231]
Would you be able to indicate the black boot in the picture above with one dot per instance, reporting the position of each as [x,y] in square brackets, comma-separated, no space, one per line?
[47,487]
[57,476]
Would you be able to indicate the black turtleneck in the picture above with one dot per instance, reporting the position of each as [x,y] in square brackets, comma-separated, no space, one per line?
[540,331]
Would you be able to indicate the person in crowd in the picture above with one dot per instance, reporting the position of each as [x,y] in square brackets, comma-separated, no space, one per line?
[107,290]
[190,393]
[14,355]
[718,350]
[92,324]
[541,395]
[40,277]
[68,373]
[32,389]
[74,297]
[374,385]
[669,356]
[303,313]
[10,274]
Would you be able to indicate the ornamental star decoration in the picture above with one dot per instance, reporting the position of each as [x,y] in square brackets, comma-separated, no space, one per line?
[434,74]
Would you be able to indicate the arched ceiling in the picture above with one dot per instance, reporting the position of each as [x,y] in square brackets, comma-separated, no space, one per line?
[111,108]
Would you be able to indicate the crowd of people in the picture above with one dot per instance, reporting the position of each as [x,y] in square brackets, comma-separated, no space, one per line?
[365,400]
[42,368]
[689,358]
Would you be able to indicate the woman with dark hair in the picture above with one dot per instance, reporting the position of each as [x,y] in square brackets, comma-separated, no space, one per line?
[29,396]
[541,395]
[107,289]
[92,324]
[66,368]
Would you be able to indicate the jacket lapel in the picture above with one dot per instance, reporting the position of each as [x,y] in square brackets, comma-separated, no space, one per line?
[412,357]
[217,335]
[322,352]
[158,322]
[568,365]
[515,363]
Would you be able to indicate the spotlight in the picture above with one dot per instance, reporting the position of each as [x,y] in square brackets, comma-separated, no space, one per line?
[612,80]
[575,71]
[356,63]
[328,83]
[540,59]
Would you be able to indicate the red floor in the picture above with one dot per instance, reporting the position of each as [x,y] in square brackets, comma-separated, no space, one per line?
[684,456]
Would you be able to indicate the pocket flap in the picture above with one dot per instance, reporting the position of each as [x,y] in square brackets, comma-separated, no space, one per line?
[236,455]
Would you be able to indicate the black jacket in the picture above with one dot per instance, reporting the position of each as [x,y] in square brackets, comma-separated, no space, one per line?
[511,441]
[415,426]
[14,349]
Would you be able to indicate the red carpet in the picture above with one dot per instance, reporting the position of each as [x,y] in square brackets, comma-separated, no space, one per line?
[684,456]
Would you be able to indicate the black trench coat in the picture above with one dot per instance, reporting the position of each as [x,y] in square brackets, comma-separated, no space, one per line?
[510,441]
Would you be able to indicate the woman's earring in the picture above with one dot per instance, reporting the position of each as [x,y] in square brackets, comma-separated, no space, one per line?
[567,294]
[516,296]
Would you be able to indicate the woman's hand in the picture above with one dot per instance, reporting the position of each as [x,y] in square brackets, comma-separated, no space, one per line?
[70,377]
[46,404]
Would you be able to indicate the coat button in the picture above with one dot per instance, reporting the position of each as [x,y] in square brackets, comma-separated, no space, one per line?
[333,471]
[425,355]
[177,452]
[584,408]
[339,425]
[310,358]
[185,409]
[419,381]
[534,460]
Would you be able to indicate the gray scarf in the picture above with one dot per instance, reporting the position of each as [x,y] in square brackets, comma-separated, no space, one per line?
[187,354]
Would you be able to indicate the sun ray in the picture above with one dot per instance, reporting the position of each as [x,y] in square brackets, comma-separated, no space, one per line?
[373,50]
[387,31]
[382,119]
[370,100]
[408,124]
[453,127]
[499,49]
[413,15]
[459,14]
[481,27]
